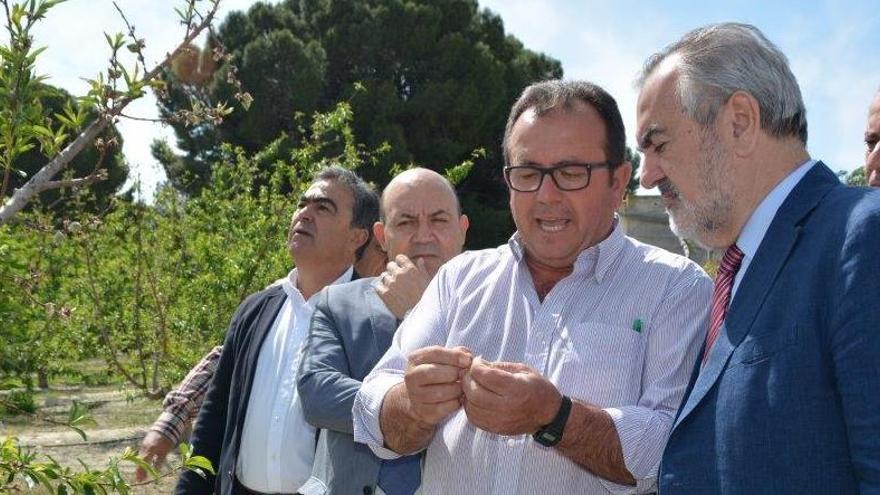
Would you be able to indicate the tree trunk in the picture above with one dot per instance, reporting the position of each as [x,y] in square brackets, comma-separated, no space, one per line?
[42,379]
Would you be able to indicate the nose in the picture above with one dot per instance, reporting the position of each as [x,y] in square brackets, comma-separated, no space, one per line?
[651,173]
[303,214]
[548,192]
[424,232]
[872,166]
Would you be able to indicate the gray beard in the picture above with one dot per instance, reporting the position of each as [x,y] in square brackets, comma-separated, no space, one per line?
[697,221]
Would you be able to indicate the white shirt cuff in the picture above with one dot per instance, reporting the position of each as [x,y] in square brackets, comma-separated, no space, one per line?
[643,433]
[366,410]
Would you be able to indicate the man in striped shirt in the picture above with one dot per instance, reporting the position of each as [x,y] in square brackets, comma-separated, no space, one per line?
[556,362]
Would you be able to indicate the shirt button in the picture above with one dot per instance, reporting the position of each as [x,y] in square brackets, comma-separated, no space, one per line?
[511,442]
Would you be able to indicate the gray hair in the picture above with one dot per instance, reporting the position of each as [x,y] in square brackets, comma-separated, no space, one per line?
[365,204]
[720,59]
[555,94]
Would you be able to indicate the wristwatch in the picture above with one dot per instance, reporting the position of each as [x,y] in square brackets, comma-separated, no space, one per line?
[551,434]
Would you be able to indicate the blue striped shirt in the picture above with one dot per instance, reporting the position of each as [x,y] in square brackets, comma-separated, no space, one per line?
[621,332]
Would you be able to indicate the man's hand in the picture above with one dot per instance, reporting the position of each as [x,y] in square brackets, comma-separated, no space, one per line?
[154,449]
[508,398]
[433,384]
[401,284]
[431,391]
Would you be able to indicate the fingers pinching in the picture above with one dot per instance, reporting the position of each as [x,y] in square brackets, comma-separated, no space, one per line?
[457,356]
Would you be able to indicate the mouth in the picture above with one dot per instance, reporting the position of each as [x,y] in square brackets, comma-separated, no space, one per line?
[668,192]
[423,256]
[302,231]
[552,224]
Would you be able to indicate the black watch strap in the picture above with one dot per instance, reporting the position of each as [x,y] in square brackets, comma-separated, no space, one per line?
[551,434]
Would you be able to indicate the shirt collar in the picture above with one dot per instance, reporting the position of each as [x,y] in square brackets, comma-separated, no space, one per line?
[593,261]
[759,222]
[289,283]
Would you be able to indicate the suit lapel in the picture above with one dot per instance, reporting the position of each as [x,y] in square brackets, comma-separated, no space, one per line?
[260,329]
[771,256]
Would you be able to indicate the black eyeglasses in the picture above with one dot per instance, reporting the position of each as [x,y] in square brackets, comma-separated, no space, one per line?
[568,177]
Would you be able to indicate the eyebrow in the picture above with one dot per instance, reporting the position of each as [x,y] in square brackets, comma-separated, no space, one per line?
[871,136]
[304,199]
[560,163]
[645,141]
[432,214]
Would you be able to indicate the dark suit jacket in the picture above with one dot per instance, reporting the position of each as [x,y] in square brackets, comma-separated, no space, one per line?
[217,430]
[351,330]
[789,401]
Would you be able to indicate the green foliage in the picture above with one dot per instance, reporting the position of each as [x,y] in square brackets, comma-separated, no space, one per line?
[38,120]
[21,469]
[430,90]
[150,289]
[18,402]
[22,123]
[62,110]
[855,178]
[34,298]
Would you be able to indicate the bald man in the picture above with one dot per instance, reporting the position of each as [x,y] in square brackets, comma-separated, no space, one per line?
[421,227]
[872,137]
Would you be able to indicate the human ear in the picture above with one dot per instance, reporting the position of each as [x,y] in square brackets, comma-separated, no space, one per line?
[741,122]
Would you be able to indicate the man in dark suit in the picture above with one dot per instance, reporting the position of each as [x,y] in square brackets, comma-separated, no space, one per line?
[251,425]
[786,395]
[421,228]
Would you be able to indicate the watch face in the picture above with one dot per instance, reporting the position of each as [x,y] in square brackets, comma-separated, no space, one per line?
[548,438]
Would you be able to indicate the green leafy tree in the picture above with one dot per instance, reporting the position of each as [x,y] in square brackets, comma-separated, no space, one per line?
[35,299]
[156,285]
[855,178]
[432,80]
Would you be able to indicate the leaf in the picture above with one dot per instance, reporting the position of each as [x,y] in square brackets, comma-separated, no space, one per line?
[141,463]
[41,130]
[201,462]
[80,432]
[185,450]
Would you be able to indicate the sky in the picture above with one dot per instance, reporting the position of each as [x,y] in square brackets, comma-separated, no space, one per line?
[832,47]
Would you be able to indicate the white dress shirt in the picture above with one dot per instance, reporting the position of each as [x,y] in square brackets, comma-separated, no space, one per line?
[759,222]
[621,332]
[277,444]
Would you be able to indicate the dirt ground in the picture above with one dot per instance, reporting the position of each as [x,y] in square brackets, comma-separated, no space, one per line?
[121,420]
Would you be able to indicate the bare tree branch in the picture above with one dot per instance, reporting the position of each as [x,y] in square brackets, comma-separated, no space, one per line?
[80,182]
[23,195]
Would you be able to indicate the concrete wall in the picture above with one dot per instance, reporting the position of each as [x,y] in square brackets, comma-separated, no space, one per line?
[644,218]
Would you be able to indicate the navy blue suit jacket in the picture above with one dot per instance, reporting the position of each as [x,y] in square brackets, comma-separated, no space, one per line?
[789,401]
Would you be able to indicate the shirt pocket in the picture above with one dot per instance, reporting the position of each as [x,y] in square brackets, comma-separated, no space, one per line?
[600,363]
